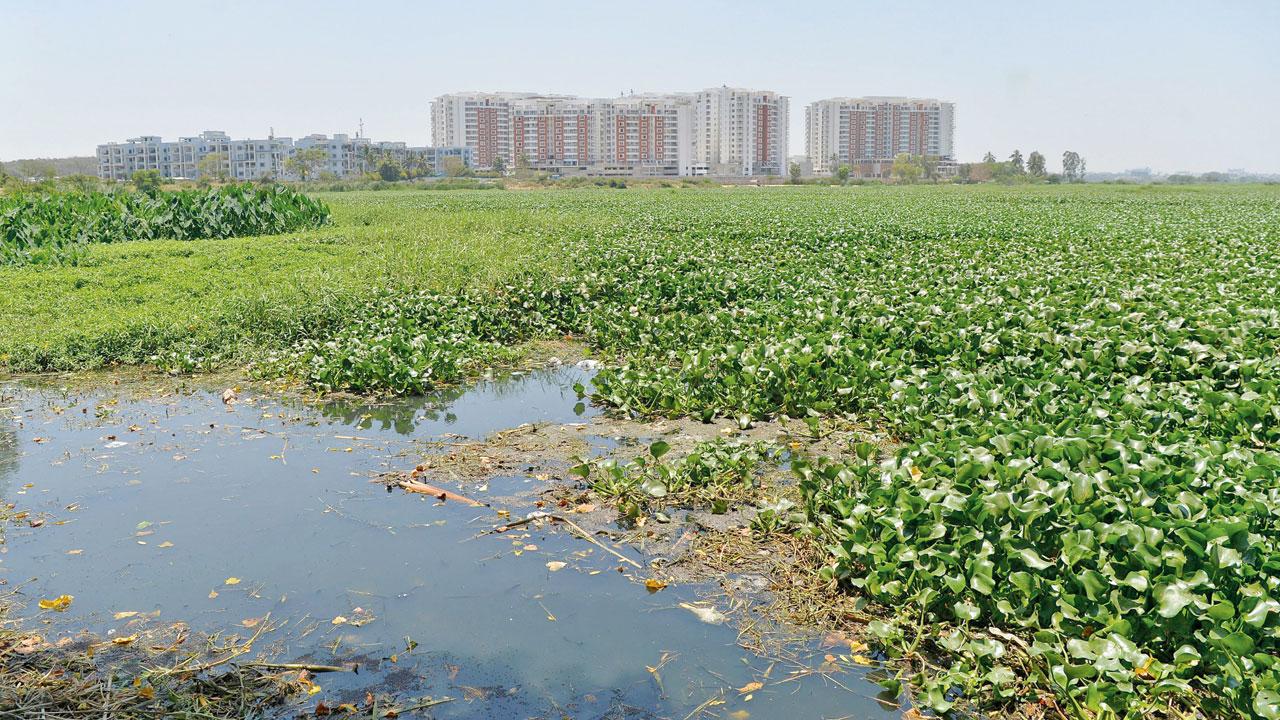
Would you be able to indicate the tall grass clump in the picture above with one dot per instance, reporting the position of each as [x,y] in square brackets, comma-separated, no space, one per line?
[44,227]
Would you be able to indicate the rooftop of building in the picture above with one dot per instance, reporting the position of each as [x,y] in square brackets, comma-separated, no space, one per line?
[883,99]
[551,97]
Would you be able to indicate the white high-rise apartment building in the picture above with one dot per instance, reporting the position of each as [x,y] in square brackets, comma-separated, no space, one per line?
[480,121]
[740,132]
[546,133]
[646,135]
[721,131]
[867,133]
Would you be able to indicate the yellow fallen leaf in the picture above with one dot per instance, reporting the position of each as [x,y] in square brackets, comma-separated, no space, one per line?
[863,660]
[125,614]
[530,547]
[124,640]
[146,692]
[739,715]
[232,581]
[504,513]
[750,687]
[555,565]
[60,603]
[213,594]
[654,584]
[340,620]
[165,544]
[77,551]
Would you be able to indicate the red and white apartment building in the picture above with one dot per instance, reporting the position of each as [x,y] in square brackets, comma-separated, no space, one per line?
[866,133]
[724,131]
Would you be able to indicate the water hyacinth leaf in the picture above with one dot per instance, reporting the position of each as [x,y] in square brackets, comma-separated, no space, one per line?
[1033,559]
[654,487]
[1266,704]
[1238,643]
[966,611]
[1173,598]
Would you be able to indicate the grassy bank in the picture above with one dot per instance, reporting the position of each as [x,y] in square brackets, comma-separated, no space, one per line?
[223,300]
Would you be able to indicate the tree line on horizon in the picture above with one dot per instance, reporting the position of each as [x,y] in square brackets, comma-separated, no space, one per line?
[1017,169]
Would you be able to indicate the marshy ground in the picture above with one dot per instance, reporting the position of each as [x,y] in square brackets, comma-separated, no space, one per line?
[203,539]
[1035,426]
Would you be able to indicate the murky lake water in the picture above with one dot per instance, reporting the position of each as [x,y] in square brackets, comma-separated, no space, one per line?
[152,504]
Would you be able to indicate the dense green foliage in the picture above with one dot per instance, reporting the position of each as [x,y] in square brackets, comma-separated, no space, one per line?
[408,342]
[1088,394]
[42,226]
[1083,381]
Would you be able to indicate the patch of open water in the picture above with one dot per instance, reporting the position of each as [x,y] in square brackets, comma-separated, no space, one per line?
[151,504]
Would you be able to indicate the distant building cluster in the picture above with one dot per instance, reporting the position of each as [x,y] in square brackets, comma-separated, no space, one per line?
[867,133]
[250,159]
[715,132]
[720,131]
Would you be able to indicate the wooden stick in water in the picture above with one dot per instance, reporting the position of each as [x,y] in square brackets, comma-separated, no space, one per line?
[414,486]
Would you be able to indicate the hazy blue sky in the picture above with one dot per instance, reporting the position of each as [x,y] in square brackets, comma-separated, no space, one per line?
[1170,84]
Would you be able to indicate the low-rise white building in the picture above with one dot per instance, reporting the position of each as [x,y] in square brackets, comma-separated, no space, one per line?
[251,159]
[243,159]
